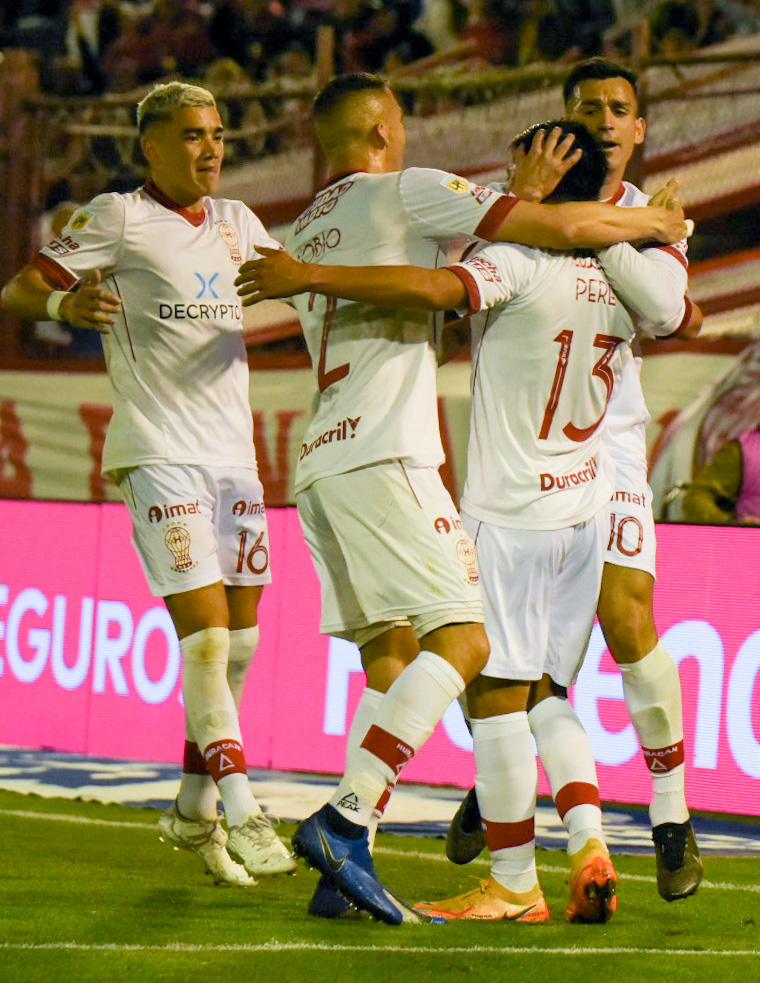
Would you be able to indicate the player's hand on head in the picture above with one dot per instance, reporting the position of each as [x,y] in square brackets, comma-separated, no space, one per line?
[537,172]
[92,305]
[276,274]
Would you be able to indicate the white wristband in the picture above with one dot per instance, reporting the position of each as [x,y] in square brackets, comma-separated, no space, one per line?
[54,301]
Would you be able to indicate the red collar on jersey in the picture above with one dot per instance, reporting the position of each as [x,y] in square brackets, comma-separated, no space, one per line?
[194,218]
[617,196]
[334,178]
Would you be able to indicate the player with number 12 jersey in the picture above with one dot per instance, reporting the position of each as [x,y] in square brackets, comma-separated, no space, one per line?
[376,367]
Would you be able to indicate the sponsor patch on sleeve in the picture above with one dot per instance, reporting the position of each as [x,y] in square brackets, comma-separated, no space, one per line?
[456,184]
[80,218]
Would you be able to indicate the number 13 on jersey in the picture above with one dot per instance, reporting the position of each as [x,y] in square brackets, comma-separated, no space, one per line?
[602,370]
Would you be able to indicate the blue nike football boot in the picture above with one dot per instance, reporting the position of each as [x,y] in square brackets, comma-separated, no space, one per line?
[347,870]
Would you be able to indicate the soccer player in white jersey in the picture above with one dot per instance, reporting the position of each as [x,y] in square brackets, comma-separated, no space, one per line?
[603,96]
[536,489]
[180,442]
[384,535]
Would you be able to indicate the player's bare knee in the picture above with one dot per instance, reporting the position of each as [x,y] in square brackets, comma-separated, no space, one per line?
[465,646]
[473,651]
[628,626]
[481,651]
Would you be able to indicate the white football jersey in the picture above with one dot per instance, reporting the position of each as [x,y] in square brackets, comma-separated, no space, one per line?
[627,415]
[176,356]
[542,378]
[376,367]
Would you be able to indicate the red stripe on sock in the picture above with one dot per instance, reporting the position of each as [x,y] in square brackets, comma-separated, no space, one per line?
[224,758]
[389,749]
[664,759]
[384,799]
[575,794]
[193,762]
[499,836]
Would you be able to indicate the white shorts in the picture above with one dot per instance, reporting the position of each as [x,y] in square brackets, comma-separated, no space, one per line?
[193,526]
[631,540]
[389,549]
[540,591]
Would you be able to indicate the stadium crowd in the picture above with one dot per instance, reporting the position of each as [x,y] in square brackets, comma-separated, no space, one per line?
[96,46]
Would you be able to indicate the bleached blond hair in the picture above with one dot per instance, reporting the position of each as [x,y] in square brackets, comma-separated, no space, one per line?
[163,99]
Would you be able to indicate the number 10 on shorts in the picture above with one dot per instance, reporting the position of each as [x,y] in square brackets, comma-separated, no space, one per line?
[627,534]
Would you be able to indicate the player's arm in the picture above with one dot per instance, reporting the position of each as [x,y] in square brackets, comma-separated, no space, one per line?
[691,324]
[652,284]
[31,295]
[455,337]
[279,275]
[712,495]
[588,224]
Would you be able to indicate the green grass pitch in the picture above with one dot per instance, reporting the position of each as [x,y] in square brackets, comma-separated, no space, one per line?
[88,893]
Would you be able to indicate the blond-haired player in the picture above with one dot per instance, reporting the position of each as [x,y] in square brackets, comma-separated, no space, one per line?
[153,271]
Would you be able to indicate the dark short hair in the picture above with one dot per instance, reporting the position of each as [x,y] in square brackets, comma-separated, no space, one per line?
[597,69]
[343,85]
[584,180]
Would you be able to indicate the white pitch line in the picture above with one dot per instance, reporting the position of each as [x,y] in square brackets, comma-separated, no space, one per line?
[275,946]
[381,850]
[83,820]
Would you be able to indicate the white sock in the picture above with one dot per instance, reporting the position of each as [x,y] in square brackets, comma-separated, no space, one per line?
[405,719]
[568,760]
[209,706]
[652,691]
[506,785]
[197,797]
[239,801]
[243,645]
[363,718]
[212,716]
[198,793]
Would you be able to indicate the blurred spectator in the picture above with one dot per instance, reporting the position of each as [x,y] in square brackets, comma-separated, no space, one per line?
[681,25]
[171,39]
[293,67]
[490,29]
[510,32]
[238,109]
[92,26]
[39,25]
[727,490]
[442,22]
[368,30]
[529,19]
[675,28]
[574,29]
[250,32]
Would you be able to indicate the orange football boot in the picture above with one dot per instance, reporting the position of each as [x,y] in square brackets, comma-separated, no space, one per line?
[490,902]
[592,885]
